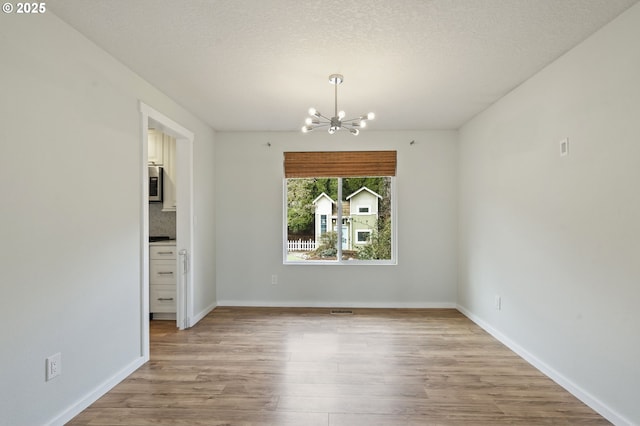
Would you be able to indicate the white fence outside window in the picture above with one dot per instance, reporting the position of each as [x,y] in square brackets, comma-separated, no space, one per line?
[301,245]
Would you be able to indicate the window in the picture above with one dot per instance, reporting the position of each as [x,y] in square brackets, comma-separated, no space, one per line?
[345,197]
[363,237]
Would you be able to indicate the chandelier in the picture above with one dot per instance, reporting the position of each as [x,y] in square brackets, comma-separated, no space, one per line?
[336,122]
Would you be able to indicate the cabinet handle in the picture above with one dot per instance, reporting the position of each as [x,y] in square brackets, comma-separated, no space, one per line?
[165,252]
[165,298]
[165,273]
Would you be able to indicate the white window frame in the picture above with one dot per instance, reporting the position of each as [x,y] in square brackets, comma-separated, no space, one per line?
[357,241]
[340,261]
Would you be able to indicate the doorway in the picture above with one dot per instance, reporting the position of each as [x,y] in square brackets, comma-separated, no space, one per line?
[184,222]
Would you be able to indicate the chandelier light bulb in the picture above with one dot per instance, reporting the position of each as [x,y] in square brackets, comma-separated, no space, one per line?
[341,115]
[314,112]
[363,124]
[371,116]
[354,131]
[307,129]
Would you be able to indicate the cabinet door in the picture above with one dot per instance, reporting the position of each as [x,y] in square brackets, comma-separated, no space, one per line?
[169,195]
[155,154]
[162,272]
[162,298]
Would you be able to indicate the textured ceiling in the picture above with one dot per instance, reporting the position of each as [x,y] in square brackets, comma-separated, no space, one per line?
[260,64]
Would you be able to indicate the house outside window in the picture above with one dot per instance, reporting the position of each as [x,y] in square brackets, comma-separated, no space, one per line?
[357,211]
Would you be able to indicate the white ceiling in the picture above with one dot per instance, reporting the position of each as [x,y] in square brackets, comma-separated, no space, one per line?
[260,64]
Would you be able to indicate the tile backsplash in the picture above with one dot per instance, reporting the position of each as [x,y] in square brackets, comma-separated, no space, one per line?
[161,223]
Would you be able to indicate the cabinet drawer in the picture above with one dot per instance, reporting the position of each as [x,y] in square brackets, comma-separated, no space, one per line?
[162,272]
[162,298]
[162,252]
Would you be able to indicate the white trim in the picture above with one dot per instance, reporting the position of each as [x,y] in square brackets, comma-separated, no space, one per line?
[354,262]
[185,229]
[319,196]
[357,241]
[91,397]
[197,317]
[285,235]
[361,305]
[144,236]
[184,156]
[367,189]
[169,126]
[571,387]
[362,206]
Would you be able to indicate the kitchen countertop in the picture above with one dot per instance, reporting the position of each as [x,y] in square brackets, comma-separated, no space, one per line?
[163,243]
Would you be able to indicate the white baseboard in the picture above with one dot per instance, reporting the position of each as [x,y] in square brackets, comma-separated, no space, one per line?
[196,318]
[93,396]
[307,304]
[550,372]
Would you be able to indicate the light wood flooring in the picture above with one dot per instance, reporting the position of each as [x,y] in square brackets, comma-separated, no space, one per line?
[306,367]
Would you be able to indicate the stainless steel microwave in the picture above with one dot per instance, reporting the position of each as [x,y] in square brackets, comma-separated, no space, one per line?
[155,184]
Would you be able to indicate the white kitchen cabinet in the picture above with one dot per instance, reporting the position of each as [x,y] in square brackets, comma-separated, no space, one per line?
[162,152]
[162,278]
[155,154]
[169,158]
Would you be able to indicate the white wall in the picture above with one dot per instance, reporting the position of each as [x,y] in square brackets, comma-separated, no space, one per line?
[249,230]
[70,173]
[558,238]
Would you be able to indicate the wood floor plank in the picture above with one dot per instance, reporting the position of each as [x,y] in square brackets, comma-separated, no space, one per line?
[304,366]
[202,417]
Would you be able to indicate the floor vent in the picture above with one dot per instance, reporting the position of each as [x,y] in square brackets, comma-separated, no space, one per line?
[341,312]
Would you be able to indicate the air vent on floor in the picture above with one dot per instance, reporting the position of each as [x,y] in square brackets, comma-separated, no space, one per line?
[341,312]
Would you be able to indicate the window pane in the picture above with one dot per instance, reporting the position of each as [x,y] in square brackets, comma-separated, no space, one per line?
[320,225]
[366,218]
[311,218]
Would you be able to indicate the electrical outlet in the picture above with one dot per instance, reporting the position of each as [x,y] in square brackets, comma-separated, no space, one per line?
[53,366]
[274,279]
[498,302]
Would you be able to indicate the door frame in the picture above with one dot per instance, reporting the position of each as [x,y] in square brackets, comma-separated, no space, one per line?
[184,222]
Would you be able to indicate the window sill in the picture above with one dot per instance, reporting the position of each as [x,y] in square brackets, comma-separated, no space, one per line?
[343,263]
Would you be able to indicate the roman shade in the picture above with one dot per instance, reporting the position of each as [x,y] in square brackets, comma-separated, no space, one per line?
[339,164]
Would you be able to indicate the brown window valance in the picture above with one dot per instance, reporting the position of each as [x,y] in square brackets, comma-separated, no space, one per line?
[339,164]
